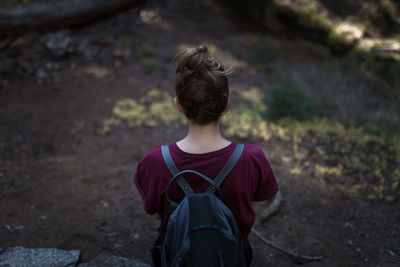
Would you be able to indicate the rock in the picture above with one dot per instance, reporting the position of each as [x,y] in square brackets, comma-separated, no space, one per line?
[60,43]
[41,74]
[87,51]
[104,260]
[98,72]
[40,257]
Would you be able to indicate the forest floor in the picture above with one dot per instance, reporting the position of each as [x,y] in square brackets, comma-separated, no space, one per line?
[67,163]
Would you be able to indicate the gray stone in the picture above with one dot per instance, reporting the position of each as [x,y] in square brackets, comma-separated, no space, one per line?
[60,43]
[104,260]
[43,257]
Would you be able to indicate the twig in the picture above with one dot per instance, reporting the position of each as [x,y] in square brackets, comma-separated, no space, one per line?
[295,256]
[272,208]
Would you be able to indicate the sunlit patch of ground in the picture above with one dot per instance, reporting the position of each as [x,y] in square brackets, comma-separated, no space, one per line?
[326,148]
[151,110]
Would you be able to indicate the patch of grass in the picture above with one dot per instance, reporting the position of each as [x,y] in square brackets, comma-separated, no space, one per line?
[287,100]
[151,110]
[310,20]
[263,52]
[124,40]
[396,36]
[377,17]
[149,63]
[371,161]
[367,158]
[384,74]
[388,10]
[145,50]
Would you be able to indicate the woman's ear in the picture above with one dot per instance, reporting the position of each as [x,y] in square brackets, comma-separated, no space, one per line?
[178,105]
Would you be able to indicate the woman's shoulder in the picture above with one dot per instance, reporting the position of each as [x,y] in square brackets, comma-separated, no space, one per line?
[252,150]
[152,154]
[254,153]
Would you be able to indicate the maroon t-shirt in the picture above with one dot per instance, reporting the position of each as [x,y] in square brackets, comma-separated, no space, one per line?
[251,179]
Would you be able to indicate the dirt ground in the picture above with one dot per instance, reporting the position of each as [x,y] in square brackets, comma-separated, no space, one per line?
[65,185]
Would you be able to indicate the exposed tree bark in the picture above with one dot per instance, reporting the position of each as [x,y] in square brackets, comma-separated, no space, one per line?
[20,19]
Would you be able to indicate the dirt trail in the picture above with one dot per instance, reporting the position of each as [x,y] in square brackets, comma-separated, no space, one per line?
[71,187]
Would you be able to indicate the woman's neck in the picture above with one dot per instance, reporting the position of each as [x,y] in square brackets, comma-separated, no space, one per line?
[202,139]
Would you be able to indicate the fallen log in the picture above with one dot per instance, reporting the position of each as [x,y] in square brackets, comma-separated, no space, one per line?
[19,19]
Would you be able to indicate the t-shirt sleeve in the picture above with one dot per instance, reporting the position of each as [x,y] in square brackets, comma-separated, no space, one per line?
[267,186]
[143,184]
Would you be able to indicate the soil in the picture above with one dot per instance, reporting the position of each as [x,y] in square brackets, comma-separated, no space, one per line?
[64,185]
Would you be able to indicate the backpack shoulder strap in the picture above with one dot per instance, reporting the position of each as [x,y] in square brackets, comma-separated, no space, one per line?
[183,184]
[219,179]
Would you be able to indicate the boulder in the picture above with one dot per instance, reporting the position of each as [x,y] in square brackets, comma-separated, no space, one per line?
[40,257]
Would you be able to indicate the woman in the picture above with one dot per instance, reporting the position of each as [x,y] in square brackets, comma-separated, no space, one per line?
[202,95]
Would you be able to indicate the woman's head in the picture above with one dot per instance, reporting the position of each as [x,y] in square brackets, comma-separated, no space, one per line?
[201,85]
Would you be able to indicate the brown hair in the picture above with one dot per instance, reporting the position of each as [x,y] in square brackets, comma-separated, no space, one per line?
[201,85]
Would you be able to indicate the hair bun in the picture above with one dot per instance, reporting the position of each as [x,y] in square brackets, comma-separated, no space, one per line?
[200,84]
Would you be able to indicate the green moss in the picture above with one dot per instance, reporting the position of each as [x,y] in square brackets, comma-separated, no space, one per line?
[149,63]
[125,40]
[388,10]
[263,52]
[353,153]
[286,100]
[367,158]
[383,72]
[145,50]
[312,21]
[396,36]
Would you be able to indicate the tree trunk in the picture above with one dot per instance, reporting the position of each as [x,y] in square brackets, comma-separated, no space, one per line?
[20,19]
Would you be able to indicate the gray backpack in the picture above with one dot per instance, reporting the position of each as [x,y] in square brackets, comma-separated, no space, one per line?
[201,231]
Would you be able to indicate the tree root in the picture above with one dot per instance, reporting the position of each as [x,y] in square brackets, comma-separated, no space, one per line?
[296,257]
[272,208]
